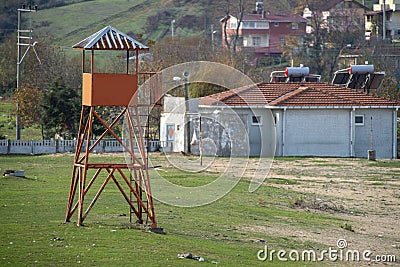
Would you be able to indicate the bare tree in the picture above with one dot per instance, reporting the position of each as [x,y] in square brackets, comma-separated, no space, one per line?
[231,41]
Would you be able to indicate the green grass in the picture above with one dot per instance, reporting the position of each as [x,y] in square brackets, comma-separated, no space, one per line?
[385,164]
[7,124]
[87,17]
[290,158]
[7,120]
[281,181]
[32,231]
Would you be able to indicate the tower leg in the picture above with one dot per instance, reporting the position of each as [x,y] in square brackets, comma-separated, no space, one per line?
[139,206]
[75,169]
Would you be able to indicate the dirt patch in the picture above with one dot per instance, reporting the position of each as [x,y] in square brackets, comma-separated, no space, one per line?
[366,196]
[363,195]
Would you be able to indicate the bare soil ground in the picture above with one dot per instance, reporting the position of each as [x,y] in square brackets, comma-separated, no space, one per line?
[364,196]
[365,193]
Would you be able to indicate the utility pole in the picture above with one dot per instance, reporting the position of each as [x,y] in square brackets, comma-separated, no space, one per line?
[172,27]
[24,38]
[384,20]
[212,36]
[187,116]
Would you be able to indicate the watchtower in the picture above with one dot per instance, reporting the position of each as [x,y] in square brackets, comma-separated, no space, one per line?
[101,90]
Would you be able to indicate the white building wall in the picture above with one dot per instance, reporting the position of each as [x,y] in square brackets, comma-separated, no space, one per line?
[260,138]
[382,133]
[267,131]
[174,116]
[278,121]
[316,132]
[177,122]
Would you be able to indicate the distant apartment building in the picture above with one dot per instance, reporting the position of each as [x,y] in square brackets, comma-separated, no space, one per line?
[338,15]
[262,34]
[384,20]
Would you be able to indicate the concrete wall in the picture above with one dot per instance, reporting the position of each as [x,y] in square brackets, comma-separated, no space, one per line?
[173,118]
[233,132]
[382,133]
[174,122]
[277,117]
[333,132]
[224,133]
[316,132]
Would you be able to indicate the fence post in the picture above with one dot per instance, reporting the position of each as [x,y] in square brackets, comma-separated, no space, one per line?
[57,144]
[8,146]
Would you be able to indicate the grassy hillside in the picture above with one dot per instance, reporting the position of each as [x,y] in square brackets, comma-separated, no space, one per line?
[73,22]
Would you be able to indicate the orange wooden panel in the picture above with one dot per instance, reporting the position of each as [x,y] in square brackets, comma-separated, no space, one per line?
[101,89]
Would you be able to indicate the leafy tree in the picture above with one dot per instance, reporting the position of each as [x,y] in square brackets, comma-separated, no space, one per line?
[29,99]
[61,109]
[53,63]
[8,62]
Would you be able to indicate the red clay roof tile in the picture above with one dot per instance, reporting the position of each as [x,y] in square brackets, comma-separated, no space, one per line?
[295,95]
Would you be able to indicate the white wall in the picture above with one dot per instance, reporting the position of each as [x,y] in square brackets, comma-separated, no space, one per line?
[382,133]
[223,128]
[316,132]
[177,120]
[174,114]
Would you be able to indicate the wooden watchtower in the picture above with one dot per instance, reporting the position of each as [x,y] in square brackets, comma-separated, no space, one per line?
[111,90]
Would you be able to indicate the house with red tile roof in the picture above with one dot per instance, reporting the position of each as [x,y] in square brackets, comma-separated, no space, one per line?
[286,119]
[262,34]
[310,119]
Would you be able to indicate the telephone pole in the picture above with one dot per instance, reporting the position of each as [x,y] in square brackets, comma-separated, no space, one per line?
[24,38]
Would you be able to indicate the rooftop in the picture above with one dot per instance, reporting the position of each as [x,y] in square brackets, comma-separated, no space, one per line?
[109,38]
[274,18]
[296,95]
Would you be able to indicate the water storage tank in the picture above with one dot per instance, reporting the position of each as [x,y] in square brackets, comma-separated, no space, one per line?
[297,71]
[361,69]
[259,7]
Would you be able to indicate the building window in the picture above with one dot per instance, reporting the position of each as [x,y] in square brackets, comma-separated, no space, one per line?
[249,25]
[276,24]
[233,25]
[256,41]
[295,26]
[262,25]
[359,120]
[256,120]
[255,25]
[282,40]
[369,18]
[276,118]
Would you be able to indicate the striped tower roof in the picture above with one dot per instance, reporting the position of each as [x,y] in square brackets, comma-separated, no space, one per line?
[109,38]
